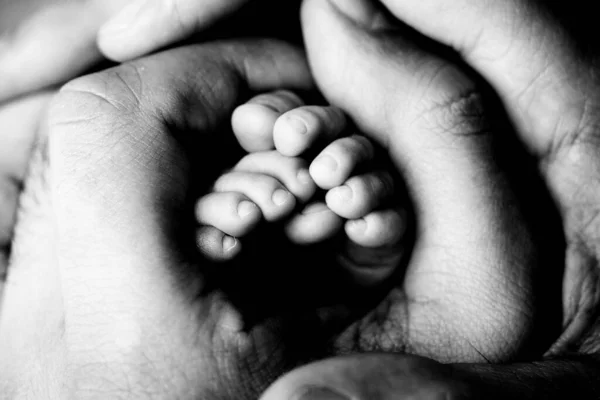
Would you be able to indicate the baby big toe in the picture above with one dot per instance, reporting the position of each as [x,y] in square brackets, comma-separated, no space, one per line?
[337,161]
[230,212]
[272,198]
[253,121]
[378,228]
[360,194]
[298,129]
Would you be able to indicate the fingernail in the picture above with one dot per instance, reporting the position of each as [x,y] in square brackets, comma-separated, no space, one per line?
[229,243]
[129,16]
[246,208]
[343,193]
[280,197]
[304,176]
[297,125]
[320,393]
[326,162]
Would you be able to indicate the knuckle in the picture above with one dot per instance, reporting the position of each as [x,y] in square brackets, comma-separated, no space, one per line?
[95,123]
[450,102]
[457,114]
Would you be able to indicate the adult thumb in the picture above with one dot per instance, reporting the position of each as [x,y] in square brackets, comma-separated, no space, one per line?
[394,376]
[147,25]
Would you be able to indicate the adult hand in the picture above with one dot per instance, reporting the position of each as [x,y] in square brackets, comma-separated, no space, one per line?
[48,42]
[126,307]
[45,43]
[547,82]
[116,302]
[145,26]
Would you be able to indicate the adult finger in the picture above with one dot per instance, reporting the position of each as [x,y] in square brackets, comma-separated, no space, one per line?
[54,44]
[525,53]
[147,25]
[546,77]
[390,376]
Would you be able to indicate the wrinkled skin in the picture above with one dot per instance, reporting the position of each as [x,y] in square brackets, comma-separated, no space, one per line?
[103,204]
[115,172]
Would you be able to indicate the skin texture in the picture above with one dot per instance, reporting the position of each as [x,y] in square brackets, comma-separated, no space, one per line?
[173,294]
[38,50]
[550,94]
[157,321]
[568,170]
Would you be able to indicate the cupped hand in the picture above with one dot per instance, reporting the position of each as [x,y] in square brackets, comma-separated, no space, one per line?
[546,82]
[103,257]
[119,302]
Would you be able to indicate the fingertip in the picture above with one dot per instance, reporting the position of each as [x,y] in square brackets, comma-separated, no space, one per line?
[131,32]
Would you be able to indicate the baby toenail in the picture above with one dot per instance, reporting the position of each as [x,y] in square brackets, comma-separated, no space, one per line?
[246,208]
[304,176]
[343,193]
[358,225]
[326,162]
[297,125]
[315,208]
[229,243]
[280,197]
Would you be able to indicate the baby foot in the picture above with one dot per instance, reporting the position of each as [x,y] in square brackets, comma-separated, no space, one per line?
[356,195]
[263,185]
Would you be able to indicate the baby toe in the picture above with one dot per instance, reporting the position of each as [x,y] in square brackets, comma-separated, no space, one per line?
[290,171]
[271,197]
[360,194]
[231,212]
[298,129]
[314,224]
[336,162]
[216,245]
[253,122]
[378,228]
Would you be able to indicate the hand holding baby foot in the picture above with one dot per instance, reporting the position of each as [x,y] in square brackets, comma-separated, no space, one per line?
[279,184]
